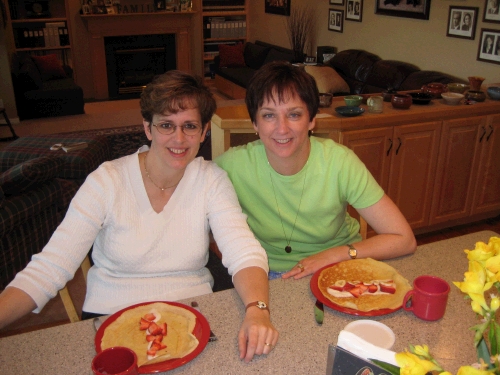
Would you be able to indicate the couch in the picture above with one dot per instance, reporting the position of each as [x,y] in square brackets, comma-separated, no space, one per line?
[367,73]
[236,65]
[43,87]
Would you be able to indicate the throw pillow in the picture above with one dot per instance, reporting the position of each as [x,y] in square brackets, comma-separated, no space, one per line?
[327,79]
[29,77]
[231,56]
[30,173]
[49,66]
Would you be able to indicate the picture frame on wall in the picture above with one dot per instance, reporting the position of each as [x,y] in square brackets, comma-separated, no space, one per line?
[281,7]
[336,20]
[410,9]
[489,46]
[337,2]
[491,11]
[462,22]
[354,10]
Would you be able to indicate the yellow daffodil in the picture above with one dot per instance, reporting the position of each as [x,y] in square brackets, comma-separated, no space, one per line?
[475,283]
[493,265]
[469,370]
[476,307]
[494,243]
[495,303]
[481,253]
[422,350]
[410,364]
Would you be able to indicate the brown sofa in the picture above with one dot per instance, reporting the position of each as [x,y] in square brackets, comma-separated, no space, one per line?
[367,73]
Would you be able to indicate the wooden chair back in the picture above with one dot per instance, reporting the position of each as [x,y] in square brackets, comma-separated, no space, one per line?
[69,306]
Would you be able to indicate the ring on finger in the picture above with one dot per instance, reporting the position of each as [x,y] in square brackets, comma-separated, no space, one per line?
[301,266]
[267,344]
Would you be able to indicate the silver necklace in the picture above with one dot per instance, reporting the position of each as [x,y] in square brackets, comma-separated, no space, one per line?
[288,248]
[150,179]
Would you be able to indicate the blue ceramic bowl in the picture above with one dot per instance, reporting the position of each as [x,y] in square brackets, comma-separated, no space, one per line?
[349,111]
[494,92]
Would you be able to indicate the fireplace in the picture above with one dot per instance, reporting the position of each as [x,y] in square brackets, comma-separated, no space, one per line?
[132,62]
[178,25]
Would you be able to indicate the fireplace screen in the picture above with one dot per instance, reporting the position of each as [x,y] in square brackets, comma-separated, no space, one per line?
[133,61]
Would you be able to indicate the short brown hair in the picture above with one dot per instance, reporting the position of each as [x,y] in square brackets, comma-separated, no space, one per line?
[176,91]
[281,78]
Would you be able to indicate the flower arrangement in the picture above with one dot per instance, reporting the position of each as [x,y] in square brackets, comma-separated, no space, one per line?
[483,274]
[300,29]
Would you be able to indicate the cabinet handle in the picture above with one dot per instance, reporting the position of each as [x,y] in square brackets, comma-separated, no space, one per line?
[399,146]
[489,135]
[390,147]
[482,135]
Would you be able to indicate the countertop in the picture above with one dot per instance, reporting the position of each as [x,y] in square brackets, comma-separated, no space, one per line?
[303,345]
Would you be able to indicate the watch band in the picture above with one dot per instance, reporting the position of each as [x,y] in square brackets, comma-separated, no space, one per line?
[352,252]
[259,304]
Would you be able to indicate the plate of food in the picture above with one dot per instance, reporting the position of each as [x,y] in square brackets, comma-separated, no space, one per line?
[164,335]
[363,287]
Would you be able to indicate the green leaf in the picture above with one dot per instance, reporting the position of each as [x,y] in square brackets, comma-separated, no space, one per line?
[497,335]
[492,339]
[484,353]
[391,369]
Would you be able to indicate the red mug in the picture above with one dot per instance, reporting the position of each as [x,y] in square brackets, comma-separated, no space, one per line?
[117,360]
[428,297]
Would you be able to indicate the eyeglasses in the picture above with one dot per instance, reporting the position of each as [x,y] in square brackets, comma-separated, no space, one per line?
[167,128]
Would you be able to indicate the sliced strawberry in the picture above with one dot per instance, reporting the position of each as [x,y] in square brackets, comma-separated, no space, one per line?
[387,289]
[362,287]
[158,338]
[144,324]
[150,317]
[157,346]
[150,338]
[372,288]
[347,287]
[152,352]
[356,292]
[154,329]
[163,327]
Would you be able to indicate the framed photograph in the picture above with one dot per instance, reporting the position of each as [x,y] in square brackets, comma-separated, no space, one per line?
[336,20]
[160,5]
[489,46]
[462,22]
[491,11]
[354,10]
[278,7]
[337,2]
[99,9]
[409,8]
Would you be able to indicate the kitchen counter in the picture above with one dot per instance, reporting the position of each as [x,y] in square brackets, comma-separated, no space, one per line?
[303,345]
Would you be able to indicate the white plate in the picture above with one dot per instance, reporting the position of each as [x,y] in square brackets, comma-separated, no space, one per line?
[372,331]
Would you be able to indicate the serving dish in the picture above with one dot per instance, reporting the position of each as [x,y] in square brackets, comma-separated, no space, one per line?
[349,111]
[201,331]
[374,332]
[317,293]
[421,98]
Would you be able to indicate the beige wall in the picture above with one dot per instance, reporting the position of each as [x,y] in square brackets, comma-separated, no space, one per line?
[421,42]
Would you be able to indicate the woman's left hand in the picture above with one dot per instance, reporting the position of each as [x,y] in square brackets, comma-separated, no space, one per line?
[257,335]
[309,265]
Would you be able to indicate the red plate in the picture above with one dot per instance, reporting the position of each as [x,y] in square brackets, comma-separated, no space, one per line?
[201,332]
[317,293]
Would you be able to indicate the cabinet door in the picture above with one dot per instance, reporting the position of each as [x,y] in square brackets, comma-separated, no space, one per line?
[457,169]
[373,147]
[487,183]
[413,169]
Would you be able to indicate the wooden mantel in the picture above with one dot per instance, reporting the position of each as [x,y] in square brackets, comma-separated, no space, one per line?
[100,26]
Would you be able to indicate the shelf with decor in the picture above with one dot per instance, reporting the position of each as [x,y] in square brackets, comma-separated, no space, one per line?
[224,22]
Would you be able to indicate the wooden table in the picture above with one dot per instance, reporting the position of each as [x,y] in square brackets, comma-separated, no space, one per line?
[303,345]
[235,119]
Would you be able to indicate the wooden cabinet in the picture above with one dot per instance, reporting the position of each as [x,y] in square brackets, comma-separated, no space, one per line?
[41,28]
[402,159]
[222,25]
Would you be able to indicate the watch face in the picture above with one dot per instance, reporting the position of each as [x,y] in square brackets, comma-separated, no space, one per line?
[261,305]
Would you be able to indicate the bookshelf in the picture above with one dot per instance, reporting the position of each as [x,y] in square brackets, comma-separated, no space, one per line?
[222,25]
[41,27]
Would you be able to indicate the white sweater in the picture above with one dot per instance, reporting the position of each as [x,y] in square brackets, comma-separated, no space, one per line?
[140,255]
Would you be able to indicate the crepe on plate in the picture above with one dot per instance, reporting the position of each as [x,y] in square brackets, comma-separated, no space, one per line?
[180,341]
[364,270]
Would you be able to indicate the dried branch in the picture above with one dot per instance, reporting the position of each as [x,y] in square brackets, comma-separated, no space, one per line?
[300,27]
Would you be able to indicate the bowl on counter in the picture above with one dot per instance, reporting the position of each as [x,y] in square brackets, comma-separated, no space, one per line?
[387,94]
[325,99]
[401,101]
[353,100]
[457,87]
[493,92]
[421,98]
[452,98]
[478,96]
[349,111]
[435,89]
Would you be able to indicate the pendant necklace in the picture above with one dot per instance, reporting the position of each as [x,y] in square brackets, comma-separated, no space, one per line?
[288,248]
[150,179]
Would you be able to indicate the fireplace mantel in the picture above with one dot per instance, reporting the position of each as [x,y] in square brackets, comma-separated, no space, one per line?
[100,26]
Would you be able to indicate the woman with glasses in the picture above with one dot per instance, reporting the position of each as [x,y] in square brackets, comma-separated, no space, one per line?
[148,217]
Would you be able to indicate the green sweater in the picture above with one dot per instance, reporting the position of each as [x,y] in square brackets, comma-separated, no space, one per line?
[335,177]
